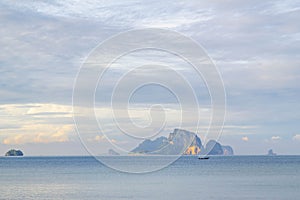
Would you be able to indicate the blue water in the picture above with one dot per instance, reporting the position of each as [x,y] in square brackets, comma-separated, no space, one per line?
[237,177]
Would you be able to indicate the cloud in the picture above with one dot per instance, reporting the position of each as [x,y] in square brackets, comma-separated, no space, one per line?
[99,138]
[35,123]
[104,139]
[275,138]
[256,51]
[297,137]
[41,134]
[126,14]
[245,138]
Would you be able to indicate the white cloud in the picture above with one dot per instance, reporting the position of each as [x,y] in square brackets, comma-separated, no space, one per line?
[125,13]
[245,138]
[281,7]
[105,139]
[40,134]
[275,138]
[297,137]
[35,123]
[97,138]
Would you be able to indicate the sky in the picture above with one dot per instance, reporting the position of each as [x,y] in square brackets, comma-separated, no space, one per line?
[254,44]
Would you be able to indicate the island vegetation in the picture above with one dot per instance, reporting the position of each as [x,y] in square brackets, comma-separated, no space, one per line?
[14,152]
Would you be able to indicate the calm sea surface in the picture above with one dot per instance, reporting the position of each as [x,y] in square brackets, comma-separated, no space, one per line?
[84,178]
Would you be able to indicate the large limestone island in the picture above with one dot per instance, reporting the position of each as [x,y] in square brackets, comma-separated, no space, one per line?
[181,142]
[14,152]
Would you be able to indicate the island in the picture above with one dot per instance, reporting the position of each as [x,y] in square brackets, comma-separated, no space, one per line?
[112,152]
[14,152]
[181,142]
[271,153]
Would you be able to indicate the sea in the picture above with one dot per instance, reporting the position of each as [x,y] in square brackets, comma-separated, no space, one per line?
[85,178]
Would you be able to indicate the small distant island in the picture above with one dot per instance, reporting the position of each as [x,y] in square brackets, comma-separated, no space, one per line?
[14,152]
[112,152]
[271,153]
[181,142]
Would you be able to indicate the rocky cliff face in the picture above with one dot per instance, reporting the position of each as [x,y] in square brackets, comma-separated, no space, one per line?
[227,151]
[181,142]
[215,148]
[112,152]
[178,142]
[151,146]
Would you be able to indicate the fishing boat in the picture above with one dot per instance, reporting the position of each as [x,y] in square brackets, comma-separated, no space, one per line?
[203,158]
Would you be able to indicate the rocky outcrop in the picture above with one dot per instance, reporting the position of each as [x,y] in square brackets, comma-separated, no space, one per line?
[151,146]
[112,152]
[14,152]
[178,142]
[213,148]
[271,153]
[181,142]
[227,151]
